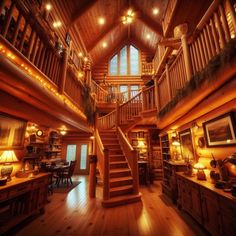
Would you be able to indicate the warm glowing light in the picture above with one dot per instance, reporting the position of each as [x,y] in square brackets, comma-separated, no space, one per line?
[101,21]
[80,54]
[228,140]
[104,45]
[92,137]
[63,132]
[155,11]
[80,74]
[48,6]
[141,144]
[128,19]
[85,59]
[199,166]
[148,36]
[57,24]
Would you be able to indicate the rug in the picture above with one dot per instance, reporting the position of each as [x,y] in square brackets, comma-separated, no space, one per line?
[64,189]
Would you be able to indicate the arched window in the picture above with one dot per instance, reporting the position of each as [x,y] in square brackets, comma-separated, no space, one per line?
[125,62]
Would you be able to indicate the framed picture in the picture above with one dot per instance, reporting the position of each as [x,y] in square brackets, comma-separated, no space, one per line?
[220,131]
[12,132]
[186,143]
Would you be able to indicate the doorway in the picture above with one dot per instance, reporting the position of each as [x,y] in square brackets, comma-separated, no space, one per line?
[78,151]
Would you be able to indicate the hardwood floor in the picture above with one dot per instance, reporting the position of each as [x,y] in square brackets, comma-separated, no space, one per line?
[76,214]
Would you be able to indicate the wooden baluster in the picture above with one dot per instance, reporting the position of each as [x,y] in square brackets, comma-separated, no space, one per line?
[220,30]
[51,69]
[205,54]
[14,39]
[183,69]
[117,114]
[42,56]
[202,57]
[215,36]
[193,59]
[195,52]
[32,40]
[49,62]
[46,61]
[62,81]
[8,19]
[211,40]
[233,14]
[35,49]
[224,23]
[207,42]
[38,54]
[22,40]
[200,62]
[106,184]
[168,83]
[57,70]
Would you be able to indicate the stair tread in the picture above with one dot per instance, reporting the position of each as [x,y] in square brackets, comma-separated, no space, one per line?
[118,162]
[119,170]
[120,188]
[120,179]
[115,155]
[121,200]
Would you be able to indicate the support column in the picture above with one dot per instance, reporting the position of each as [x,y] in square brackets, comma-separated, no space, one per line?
[61,85]
[92,175]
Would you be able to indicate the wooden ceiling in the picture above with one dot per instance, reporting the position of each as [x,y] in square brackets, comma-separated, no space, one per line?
[82,20]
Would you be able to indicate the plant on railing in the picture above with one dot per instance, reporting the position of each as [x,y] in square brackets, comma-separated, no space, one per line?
[207,74]
[88,104]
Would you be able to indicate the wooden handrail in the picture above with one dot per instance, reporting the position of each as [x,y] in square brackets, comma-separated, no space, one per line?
[132,158]
[108,121]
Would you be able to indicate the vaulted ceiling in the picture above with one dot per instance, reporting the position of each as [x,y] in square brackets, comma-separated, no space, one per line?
[146,28]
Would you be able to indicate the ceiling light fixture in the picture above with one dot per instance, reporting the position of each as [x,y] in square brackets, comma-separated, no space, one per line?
[48,7]
[85,59]
[101,21]
[128,19]
[80,54]
[148,36]
[104,45]
[155,11]
[57,24]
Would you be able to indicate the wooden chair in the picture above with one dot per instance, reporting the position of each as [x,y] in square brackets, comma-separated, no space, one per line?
[66,174]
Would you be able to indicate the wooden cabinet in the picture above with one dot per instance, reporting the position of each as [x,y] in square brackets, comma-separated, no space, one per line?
[211,207]
[169,183]
[165,148]
[20,198]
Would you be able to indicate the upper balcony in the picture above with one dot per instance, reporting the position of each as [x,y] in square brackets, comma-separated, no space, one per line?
[36,69]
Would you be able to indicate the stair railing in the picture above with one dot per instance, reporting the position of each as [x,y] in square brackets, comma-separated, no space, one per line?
[108,121]
[132,158]
[148,97]
[103,164]
[101,94]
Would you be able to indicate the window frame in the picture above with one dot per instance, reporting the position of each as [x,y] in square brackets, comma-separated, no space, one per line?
[128,62]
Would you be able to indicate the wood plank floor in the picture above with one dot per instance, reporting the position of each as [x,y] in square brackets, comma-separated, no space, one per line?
[76,214]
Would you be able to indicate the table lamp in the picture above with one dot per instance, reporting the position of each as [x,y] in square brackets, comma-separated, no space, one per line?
[7,158]
[200,171]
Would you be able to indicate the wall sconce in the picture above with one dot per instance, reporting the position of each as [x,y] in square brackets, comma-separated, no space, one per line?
[7,158]
[200,171]
[175,141]
[63,131]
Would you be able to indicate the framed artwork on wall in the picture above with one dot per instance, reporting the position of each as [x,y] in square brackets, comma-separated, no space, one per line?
[186,143]
[220,131]
[12,132]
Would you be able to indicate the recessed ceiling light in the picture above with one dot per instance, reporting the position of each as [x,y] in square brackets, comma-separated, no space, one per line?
[104,45]
[80,54]
[155,11]
[148,36]
[85,59]
[48,6]
[101,21]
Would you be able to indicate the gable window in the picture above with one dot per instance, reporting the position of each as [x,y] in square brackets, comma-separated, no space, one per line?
[125,62]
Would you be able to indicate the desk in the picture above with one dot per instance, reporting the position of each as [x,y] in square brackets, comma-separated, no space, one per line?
[21,198]
[143,169]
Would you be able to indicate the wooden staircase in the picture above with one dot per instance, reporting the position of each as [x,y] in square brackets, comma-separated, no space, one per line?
[120,176]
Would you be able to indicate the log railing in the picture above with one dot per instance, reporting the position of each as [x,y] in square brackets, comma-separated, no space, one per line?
[148,98]
[160,51]
[147,68]
[132,158]
[103,164]
[101,95]
[108,121]
[214,31]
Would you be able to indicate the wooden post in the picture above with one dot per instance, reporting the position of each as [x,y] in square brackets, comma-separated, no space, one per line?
[135,172]
[64,71]
[157,102]
[92,175]
[117,113]
[168,82]
[106,184]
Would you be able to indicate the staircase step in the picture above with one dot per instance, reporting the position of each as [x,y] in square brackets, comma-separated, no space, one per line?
[115,151]
[121,181]
[110,142]
[121,200]
[112,146]
[121,172]
[118,164]
[117,157]
[121,190]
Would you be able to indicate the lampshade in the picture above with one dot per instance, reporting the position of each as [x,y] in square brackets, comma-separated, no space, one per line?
[8,156]
[200,171]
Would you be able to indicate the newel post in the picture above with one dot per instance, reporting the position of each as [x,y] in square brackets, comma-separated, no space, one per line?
[62,82]
[92,175]
[106,186]
[117,113]
[181,31]
[135,172]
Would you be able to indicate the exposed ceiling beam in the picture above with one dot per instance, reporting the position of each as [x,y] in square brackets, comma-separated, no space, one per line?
[148,21]
[102,36]
[82,10]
